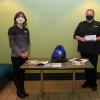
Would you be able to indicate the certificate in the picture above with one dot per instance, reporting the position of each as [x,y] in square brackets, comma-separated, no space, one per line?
[90,37]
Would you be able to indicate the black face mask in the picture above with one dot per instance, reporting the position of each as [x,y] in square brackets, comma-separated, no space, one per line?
[89,17]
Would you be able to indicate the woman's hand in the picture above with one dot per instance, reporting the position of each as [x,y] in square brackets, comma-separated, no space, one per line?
[24,55]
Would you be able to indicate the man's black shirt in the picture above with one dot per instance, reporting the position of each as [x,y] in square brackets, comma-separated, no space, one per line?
[85,28]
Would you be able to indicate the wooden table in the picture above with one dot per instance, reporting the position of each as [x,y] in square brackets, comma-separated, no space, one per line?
[65,66]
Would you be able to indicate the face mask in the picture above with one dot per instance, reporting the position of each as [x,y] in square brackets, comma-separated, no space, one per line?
[20,20]
[89,18]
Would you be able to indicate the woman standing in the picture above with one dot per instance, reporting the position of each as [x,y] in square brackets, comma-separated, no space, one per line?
[19,43]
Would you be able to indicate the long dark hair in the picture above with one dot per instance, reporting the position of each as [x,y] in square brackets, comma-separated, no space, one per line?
[17,15]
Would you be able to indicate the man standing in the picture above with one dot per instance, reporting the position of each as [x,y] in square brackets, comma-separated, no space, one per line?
[88,35]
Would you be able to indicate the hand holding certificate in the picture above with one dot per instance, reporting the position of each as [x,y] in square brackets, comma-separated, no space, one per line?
[90,37]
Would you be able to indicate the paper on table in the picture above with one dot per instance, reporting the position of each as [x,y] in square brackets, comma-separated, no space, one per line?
[73,59]
[90,37]
[43,62]
[35,62]
[55,65]
[84,60]
[79,59]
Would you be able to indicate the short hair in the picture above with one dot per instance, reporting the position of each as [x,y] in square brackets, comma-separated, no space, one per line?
[90,10]
[17,15]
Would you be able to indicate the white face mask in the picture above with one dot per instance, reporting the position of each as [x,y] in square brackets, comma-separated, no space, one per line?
[20,20]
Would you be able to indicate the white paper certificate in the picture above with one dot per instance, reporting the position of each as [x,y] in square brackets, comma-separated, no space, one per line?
[90,37]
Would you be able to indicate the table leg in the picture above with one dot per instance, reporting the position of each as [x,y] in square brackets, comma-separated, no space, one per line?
[41,86]
[73,85]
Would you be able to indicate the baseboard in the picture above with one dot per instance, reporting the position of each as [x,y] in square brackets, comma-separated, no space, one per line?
[56,76]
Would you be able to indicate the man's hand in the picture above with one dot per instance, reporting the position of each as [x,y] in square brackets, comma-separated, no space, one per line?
[98,38]
[82,39]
